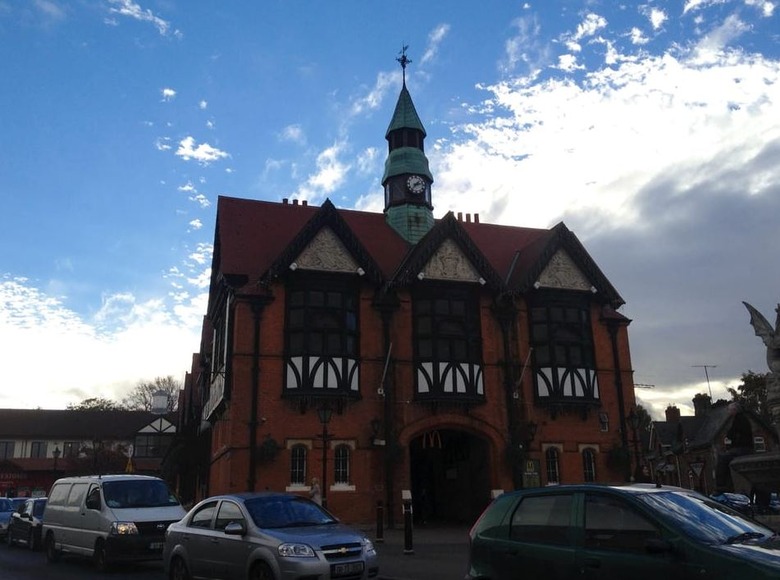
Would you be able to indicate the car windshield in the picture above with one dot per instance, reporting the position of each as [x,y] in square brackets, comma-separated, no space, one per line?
[286,512]
[703,519]
[137,493]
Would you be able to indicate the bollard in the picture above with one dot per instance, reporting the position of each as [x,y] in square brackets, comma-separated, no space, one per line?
[380,518]
[408,543]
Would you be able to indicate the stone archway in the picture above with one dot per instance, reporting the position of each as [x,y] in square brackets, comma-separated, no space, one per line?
[450,476]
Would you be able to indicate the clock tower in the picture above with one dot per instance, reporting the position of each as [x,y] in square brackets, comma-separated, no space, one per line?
[407,179]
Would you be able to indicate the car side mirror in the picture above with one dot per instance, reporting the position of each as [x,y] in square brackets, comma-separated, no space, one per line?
[235,529]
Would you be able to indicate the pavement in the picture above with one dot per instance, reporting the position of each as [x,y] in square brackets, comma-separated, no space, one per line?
[438,552]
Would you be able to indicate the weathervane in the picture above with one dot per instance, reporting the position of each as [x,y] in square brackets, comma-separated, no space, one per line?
[404,60]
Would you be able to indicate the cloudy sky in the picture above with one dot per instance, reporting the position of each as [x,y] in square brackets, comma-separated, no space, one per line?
[652,130]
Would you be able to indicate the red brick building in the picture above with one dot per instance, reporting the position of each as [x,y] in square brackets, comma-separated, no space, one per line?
[383,352]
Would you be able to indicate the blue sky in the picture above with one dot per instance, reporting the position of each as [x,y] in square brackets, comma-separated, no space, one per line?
[652,130]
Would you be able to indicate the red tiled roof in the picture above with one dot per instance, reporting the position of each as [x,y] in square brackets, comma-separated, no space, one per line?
[252,234]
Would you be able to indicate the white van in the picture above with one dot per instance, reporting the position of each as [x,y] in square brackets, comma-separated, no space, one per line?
[110,518]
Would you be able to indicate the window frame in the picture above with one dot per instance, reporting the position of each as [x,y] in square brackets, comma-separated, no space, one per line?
[38,449]
[342,464]
[553,468]
[314,323]
[589,472]
[451,334]
[299,456]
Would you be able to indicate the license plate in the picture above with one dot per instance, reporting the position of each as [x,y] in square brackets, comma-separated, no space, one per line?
[346,569]
[156,546]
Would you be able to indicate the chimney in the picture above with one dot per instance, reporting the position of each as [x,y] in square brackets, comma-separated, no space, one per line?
[701,404]
[672,414]
[285,201]
[460,216]
[476,218]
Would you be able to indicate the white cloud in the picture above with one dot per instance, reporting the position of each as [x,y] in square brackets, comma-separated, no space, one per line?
[203,105]
[657,18]
[590,26]
[713,43]
[52,11]
[195,225]
[168,94]
[294,134]
[88,357]
[203,153]
[330,174]
[385,82]
[435,38]
[132,10]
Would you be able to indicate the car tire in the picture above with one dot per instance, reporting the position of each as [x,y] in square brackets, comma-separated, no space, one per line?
[179,570]
[261,571]
[52,554]
[100,557]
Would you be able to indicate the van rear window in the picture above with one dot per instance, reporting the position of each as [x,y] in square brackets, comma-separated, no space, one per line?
[59,494]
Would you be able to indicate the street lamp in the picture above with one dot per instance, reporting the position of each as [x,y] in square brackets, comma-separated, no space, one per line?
[633,421]
[325,413]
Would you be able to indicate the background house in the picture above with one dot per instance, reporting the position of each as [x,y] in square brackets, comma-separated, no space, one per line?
[37,446]
[696,451]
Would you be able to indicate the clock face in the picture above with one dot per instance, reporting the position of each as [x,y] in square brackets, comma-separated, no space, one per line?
[415,184]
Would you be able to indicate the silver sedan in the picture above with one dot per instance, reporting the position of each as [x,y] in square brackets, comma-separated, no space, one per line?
[265,536]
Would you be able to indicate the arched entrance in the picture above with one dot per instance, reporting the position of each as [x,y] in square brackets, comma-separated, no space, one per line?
[449,475]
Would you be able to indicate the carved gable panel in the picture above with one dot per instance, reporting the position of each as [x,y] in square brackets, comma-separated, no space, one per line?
[562,272]
[450,263]
[325,252]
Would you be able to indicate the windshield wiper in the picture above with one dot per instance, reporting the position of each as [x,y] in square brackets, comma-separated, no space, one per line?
[743,537]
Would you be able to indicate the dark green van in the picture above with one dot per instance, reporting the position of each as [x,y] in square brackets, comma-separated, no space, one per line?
[634,532]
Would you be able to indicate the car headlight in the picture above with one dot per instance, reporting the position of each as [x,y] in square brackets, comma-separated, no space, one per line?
[290,550]
[368,546]
[123,529]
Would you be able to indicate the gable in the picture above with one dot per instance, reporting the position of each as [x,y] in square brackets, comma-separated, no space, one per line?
[326,252]
[449,262]
[160,425]
[561,272]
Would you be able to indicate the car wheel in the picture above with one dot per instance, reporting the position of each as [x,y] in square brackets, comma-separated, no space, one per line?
[100,558]
[179,570]
[52,555]
[31,543]
[261,571]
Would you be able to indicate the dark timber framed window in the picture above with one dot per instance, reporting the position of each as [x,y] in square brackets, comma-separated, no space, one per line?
[562,342]
[322,334]
[447,341]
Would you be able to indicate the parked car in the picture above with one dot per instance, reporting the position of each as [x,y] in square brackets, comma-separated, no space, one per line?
[265,536]
[642,532]
[736,501]
[109,518]
[8,506]
[26,523]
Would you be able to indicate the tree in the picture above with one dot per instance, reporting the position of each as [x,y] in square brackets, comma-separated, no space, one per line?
[141,397]
[95,404]
[751,394]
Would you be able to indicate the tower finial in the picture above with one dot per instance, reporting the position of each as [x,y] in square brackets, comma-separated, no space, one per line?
[404,60]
